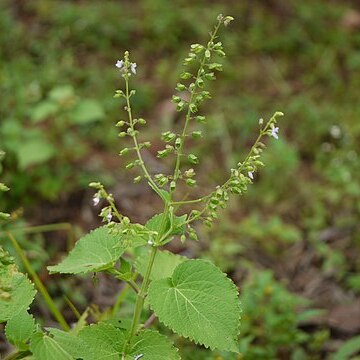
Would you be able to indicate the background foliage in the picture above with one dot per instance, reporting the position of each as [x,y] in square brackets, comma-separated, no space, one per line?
[292,243]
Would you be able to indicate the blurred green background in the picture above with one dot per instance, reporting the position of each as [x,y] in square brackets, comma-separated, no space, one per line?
[292,243]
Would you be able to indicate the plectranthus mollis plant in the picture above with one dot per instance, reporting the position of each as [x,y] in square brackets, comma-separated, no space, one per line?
[192,297]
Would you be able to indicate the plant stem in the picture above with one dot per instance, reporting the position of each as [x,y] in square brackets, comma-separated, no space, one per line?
[262,133]
[136,144]
[141,296]
[38,283]
[46,228]
[188,114]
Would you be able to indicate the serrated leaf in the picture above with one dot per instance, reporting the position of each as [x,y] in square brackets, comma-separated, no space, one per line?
[16,290]
[94,252]
[102,341]
[69,342]
[19,328]
[152,345]
[44,347]
[164,264]
[158,224]
[105,341]
[198,302]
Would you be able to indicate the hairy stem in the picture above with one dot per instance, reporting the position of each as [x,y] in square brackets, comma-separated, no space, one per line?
[188,114]
[141,297]
[136,144]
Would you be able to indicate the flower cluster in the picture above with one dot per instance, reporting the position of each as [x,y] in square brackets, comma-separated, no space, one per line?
[243,174]
[126,66]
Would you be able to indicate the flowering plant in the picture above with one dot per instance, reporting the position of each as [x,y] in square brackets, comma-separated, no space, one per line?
[192,297]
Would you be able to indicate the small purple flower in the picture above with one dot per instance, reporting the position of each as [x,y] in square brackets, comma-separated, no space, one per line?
[119,64]
[274,132]
[109,217]
[133,68]
[96,199]
[251,175]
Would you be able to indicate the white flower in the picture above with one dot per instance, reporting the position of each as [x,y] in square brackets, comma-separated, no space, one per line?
[274,132]
[335,132]
[133,68]
[138,357]
[251,175]
[109,217]
[119,64]
[96,199]
[150,242]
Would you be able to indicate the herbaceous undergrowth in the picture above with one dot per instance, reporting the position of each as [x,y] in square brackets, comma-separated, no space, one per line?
[192,297]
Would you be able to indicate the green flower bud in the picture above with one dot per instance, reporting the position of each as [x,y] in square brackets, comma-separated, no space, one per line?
[3,187]
[186,75]
[193,159]
[190,182]
[120,123]
[124,151]
[180,87]
[196,134]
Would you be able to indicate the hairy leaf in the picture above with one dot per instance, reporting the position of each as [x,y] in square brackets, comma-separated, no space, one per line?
[158,224]
[198,302]
[16,290]
[105,341]
[164,264]
[95,251]
[152,345]
[102,341]
[45,347]
[19,328]
[70,343]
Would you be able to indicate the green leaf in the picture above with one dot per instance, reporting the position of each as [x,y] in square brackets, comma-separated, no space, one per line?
[16,290]
[164,264]
[348,349]
[152,345]
[43,110]
[102,341]
[94,252]
[69,342]
[33,152]
[62,94]
[158,224]
[178,224]
[87,111]
[107,342]
[19,328]
[44,347]
[198,302]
